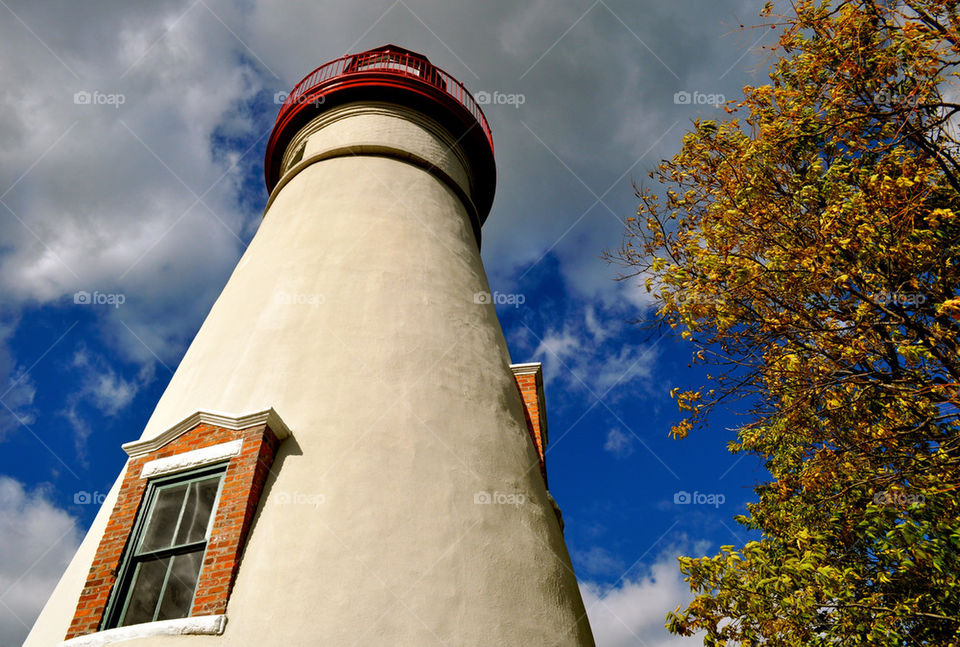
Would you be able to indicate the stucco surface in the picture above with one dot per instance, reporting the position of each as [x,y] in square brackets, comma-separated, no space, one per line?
[353,314]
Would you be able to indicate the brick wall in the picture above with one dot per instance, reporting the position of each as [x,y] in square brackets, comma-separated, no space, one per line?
[243,483]
[527,383]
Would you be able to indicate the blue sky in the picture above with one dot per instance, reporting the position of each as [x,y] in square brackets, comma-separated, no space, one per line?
[149,194]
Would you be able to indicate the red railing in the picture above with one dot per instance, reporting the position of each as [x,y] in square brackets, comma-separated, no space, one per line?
[390,61]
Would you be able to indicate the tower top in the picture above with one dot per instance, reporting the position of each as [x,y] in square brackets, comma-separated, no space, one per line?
[396,75]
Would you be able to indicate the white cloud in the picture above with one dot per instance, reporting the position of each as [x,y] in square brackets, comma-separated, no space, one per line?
[38,540]
[619,444]
[103,389]
[17,388]
[106,390]
[597,330]
[599,561]
[81,427]
[563,346]
[628,364]
[633,612]
[583,356]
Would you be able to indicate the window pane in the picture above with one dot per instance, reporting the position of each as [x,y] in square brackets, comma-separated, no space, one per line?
[145,591]
[163,520]
[180,586]
[196,514]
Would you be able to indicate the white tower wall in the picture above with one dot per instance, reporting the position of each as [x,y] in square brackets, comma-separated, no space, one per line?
[352,314]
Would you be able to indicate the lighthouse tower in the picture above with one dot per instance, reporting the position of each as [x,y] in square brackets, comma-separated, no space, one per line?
[345,455]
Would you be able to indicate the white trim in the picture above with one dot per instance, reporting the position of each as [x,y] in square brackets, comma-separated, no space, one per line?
[536,369]
[192,459]
[530,368]
[195,626]
[215,418]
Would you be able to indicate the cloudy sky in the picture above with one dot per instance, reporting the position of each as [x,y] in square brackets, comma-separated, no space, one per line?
[148,194]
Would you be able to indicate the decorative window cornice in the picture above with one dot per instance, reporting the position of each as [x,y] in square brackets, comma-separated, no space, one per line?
[529,368]
[213,418]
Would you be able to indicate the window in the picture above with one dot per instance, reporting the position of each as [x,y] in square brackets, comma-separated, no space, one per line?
[297,156]
[404,64]
[172,545]
[158,576]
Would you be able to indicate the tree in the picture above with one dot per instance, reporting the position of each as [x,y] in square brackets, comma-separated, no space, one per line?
[811,252]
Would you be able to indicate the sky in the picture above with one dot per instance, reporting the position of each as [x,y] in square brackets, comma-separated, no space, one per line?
[132,136]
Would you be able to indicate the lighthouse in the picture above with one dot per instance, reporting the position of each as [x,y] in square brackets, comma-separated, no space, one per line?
[346,454]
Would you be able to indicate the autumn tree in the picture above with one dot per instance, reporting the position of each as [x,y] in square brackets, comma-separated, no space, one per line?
[808,246]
